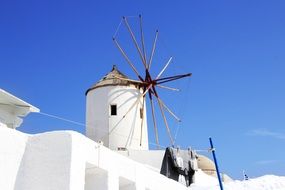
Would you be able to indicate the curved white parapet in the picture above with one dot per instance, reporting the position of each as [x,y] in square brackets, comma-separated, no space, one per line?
[66,160]
[12,148]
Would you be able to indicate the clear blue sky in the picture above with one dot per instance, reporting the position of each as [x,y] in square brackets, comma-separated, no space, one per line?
[52,51]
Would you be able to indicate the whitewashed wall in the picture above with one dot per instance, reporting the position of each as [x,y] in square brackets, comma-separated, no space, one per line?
[9,117]
[12,148]
[46,162]
[66,160]
[116,131]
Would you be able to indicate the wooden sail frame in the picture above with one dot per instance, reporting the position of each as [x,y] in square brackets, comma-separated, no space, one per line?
[149,83]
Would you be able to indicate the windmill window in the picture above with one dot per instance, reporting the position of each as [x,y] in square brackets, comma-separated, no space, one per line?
[113,109]
[141,113]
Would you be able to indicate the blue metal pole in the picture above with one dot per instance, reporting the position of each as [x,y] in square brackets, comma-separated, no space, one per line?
[216,164]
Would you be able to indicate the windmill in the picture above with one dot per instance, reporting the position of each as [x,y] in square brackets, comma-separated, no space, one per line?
[148,82]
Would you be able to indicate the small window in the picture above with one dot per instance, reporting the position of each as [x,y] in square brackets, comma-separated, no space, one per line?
[113,109]
[141,113]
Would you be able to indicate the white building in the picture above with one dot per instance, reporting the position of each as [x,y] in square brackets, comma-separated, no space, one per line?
[67,160]
[116,114]
[12,109]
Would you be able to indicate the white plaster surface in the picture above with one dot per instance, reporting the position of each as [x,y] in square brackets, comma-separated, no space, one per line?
[13,109]
[66,160]
[116,131]
[12,148]
[267,182]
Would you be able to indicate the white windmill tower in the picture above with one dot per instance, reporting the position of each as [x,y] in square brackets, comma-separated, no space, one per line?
[108,101]
[116,105]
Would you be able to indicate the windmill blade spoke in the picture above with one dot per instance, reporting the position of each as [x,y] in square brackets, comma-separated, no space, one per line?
[166,65]
[142,95]
[172,78]
[153,49]
[147,82]
[127,58]
[169,88]
[168,109]
[135,41]
[154,120]
[165,121]
[142,40]
[117,30]
[142,119]
[130,80]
